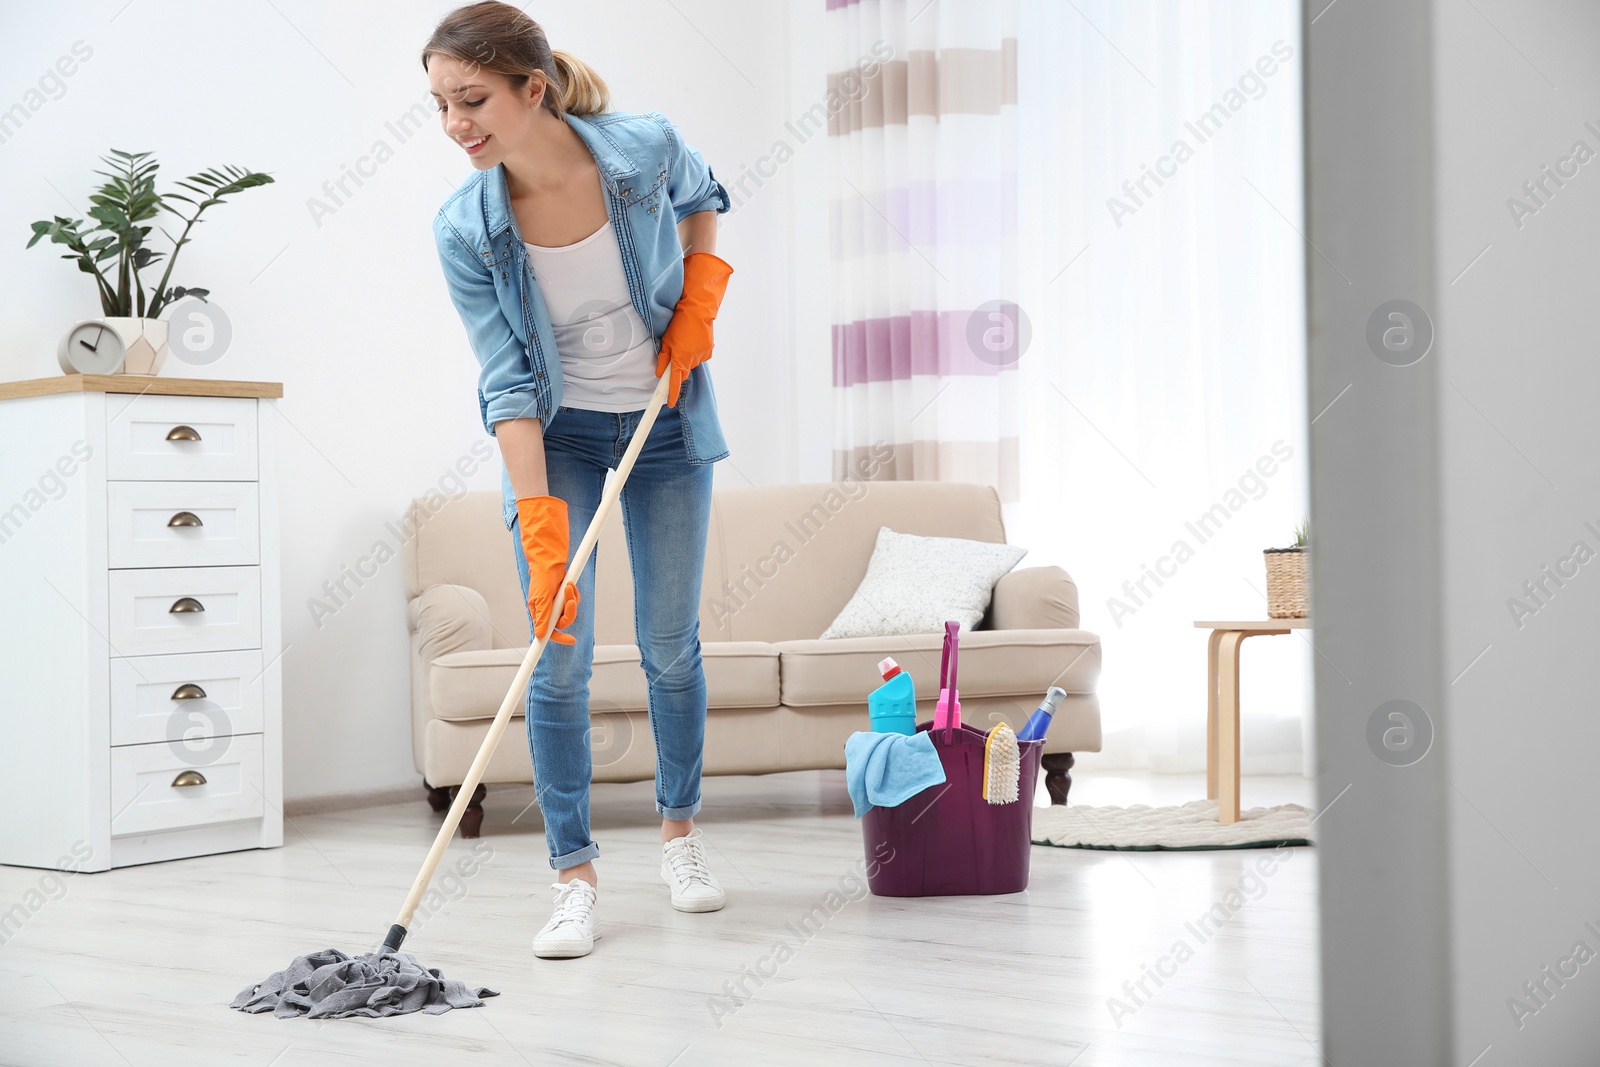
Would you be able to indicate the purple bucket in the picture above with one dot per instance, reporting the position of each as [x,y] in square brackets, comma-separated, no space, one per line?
[947,840]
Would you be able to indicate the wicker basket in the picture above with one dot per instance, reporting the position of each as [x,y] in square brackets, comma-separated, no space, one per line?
[1286,583]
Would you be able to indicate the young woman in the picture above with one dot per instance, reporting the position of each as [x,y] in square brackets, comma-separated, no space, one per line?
[580,255]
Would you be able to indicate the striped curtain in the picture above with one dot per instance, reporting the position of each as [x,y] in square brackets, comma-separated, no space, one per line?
[922,169]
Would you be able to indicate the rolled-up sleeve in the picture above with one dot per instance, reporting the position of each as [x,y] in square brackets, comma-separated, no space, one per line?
[691,186]
[507,385]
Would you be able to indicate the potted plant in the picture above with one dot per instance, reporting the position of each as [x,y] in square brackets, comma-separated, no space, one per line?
[1286,577]
[122,208]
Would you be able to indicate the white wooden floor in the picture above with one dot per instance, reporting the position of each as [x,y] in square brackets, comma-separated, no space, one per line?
[137,966]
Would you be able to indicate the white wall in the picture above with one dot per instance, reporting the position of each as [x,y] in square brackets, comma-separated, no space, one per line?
[1452,877]
[348,311]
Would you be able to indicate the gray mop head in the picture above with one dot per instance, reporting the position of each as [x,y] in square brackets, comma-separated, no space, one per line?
[331,985]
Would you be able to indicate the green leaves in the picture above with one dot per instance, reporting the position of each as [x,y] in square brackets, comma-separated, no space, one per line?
[125,200]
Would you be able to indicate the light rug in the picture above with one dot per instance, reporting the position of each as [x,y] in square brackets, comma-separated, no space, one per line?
[1191,826]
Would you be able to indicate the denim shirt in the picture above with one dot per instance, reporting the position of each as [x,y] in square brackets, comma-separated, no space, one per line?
[645,167]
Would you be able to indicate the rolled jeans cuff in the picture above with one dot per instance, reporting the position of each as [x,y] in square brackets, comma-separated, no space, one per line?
[686,812]
[573,859]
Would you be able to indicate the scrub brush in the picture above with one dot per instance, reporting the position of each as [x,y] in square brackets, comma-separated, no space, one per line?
[1002,765]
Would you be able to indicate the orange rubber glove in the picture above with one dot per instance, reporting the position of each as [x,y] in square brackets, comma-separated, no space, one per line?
[687,342]
[542,521]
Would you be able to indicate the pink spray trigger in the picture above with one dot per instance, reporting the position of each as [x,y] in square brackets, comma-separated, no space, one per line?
[947,712]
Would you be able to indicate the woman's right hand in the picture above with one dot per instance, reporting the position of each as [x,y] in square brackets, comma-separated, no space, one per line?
[543,524]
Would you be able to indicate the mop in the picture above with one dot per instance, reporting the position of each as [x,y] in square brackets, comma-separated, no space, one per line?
[331,985]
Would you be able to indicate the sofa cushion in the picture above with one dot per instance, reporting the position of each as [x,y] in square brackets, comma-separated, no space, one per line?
[782,560]
[916,584]
[1023,663]
[471,685]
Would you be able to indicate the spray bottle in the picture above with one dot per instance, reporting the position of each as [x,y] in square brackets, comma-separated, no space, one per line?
[1039,721]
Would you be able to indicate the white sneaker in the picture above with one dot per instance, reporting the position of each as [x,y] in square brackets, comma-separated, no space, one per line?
[683,867]
[573,929]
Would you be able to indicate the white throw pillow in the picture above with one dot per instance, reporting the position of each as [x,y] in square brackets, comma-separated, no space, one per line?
[914,585]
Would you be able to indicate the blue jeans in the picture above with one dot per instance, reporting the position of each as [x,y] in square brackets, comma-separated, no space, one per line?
[666,508]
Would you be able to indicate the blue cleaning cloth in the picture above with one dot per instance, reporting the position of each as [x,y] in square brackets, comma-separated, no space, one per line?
[887,769]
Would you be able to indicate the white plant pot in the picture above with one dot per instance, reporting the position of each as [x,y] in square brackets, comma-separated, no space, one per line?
[145,341]
[144,345]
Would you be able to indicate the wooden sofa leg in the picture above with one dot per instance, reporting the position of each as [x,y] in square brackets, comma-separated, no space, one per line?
[472,818]
[1058,775]
[438,796]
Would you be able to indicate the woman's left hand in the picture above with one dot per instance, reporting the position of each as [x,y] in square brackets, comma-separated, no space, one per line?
[687,341]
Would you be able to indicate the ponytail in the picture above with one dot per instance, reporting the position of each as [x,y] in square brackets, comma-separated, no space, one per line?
[580,90]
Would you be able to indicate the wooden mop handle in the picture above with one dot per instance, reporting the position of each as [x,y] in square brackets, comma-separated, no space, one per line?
[517,695]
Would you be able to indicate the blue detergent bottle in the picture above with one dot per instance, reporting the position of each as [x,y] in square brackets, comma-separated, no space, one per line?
[1039,722]
[893,705]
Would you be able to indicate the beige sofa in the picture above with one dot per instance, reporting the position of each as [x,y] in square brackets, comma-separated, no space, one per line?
[781,561]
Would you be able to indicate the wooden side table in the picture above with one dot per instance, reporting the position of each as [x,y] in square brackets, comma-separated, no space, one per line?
[1222,706]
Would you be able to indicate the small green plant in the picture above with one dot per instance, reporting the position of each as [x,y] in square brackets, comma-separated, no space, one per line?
[1302,534]
[124,202]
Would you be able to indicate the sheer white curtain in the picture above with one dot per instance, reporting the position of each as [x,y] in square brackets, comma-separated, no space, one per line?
[1162,269]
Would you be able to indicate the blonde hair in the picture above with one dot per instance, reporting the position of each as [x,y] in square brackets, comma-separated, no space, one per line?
[497,37]
[583,92]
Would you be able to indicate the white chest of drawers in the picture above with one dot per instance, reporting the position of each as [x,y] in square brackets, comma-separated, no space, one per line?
[140,683]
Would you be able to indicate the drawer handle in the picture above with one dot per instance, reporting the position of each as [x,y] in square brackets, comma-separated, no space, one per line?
[185,604]
[183,433]
[185,518]
[188,691]
[188,778]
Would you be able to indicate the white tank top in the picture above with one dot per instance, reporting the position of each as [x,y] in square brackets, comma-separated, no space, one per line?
[608,357]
